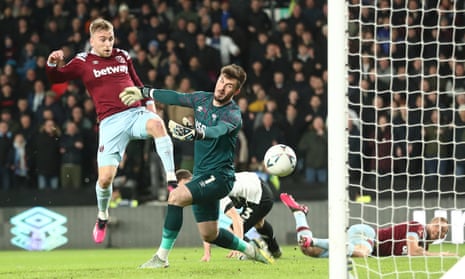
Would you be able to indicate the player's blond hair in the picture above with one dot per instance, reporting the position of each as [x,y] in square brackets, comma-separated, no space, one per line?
[100,24]
[236,72]
[439,220]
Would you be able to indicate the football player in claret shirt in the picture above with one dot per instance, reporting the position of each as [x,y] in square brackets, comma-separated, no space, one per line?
[409,238]
[105,72]
[217,123]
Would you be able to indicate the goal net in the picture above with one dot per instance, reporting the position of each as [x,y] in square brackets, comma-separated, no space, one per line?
[406,132]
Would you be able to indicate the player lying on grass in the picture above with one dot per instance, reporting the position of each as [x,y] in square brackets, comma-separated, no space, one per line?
[217,123]
[105,72]
[408,238]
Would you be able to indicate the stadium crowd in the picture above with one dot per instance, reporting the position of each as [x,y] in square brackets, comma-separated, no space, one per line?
[48,133]
[403,75]
[407,86]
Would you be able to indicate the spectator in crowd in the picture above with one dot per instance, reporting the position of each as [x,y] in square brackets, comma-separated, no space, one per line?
[19,163]
[197,75]
[436,150]
[269,106]
[266,135]
[229,51]
[48,159]
[279,90]
[293,126]
[258,103]
[51,104]
[238,36]
[209,57]
[314,144]
[6,138]
[257,20]
[7,99]
[380,146]
[71,145]
[154,54]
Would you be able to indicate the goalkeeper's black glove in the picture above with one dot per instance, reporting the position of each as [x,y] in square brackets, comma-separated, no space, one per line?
[184,132]
[133,94]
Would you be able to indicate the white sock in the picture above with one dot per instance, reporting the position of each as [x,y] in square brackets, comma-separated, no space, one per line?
[164,147]
[252,233]
[301,225]
[103,215]
[103,200]
[300,219]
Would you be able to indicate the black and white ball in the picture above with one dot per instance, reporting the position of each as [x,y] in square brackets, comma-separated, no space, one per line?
[280,160]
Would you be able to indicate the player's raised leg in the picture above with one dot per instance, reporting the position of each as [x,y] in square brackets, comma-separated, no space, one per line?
[155,127]
[304,234]
[311,246]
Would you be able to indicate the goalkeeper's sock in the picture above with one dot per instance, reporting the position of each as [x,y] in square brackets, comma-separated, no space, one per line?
[171,228]
[164,147]
[103,200]
[227,239]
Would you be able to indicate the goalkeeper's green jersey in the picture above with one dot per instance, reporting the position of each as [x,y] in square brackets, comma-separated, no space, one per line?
[220,125]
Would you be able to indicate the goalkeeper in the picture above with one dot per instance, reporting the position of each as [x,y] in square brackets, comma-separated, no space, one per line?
[217,123]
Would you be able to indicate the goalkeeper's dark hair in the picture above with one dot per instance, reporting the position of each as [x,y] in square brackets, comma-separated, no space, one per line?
[235,72]
[183,174]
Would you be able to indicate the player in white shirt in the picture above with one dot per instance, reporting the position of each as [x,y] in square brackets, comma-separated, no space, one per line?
[248,203]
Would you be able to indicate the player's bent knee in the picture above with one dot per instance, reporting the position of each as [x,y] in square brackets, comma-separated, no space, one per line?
[209,237]
[178,199]
[155,127]
[105,181]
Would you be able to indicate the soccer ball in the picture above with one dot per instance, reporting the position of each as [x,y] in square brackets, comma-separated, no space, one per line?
[280,160]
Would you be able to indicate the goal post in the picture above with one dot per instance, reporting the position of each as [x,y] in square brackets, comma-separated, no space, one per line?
[396,127]
[337,121]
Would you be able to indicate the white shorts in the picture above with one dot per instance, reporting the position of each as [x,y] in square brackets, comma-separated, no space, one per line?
[117,130]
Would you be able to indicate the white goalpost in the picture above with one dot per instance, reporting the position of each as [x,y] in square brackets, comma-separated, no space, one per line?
[396,93]
[337,181]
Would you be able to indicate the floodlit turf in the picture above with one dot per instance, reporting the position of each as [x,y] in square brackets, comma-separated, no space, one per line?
[185,263]
[408,267]
[123,263]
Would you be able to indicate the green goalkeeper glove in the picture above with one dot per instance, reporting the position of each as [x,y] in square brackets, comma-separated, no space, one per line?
[132,94]
[184,133]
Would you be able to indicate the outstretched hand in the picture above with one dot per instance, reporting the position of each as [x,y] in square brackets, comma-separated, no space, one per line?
[130,95]
[182,132]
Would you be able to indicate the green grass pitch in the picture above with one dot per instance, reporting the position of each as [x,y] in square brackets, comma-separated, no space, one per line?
[185,263]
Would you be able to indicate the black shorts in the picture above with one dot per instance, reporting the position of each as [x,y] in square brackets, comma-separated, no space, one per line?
[255,212]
